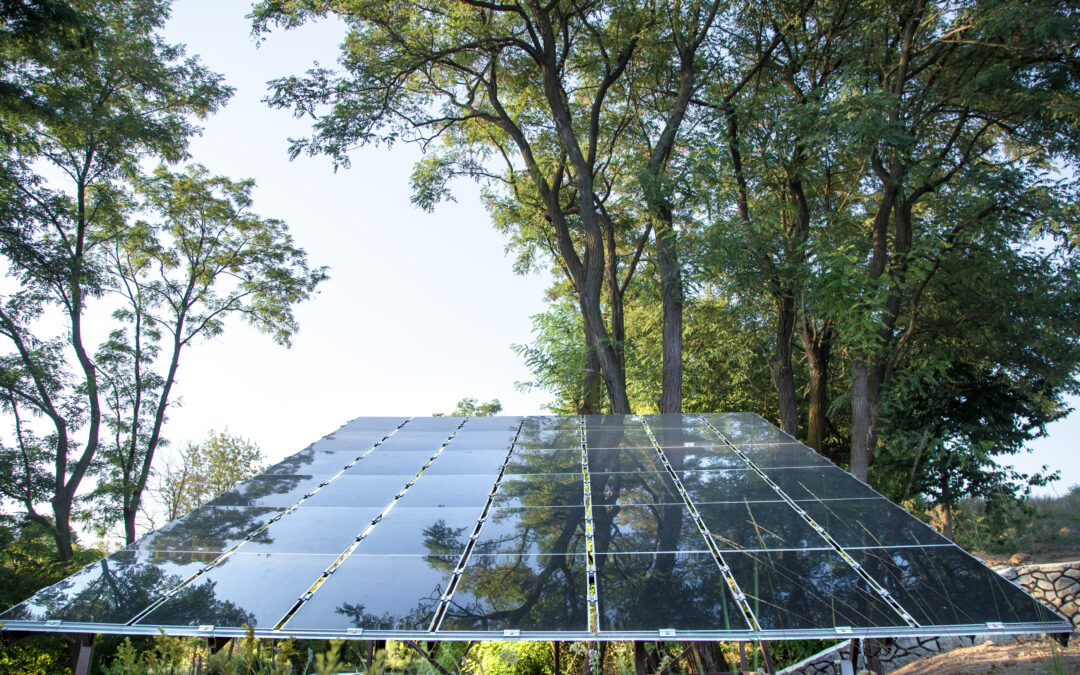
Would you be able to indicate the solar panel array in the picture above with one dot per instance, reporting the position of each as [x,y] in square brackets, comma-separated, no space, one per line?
[715,526]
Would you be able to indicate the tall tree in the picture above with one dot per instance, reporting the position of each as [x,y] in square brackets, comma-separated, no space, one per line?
[120,96]
[219,463]
[528,83]
[948,102]
[201,258]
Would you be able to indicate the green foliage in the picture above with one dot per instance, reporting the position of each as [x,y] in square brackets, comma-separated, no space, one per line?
[470,407]
[512,658]
[207,469]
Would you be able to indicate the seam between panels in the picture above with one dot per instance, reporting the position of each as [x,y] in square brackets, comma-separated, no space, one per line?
[591,587]
[251,535]
[444,602]
[740,598]
[360,537]
[835,545]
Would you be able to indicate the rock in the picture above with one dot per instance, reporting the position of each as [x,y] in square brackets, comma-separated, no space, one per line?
[1044,584]
[1019,559]
[1064,583]
[1073,573]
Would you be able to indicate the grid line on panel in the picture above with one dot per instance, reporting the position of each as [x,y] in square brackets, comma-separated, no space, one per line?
[451,587]
[251,535]
[740,597]
[590,547]
[835,545]
[360,537]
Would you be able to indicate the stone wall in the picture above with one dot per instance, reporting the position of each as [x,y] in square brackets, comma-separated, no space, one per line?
[1057,585]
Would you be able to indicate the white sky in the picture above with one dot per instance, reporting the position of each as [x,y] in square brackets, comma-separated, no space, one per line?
[420,309]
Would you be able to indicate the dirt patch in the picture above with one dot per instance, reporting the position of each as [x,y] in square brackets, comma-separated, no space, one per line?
[1023,657]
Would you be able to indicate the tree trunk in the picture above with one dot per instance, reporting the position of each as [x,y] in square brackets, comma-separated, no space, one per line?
[783,375]
[129,523]
[818,350]
[62,533]
[860,419]
[671,344]
[592,399]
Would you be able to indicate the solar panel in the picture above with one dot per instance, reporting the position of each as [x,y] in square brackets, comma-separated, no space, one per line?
[697,527]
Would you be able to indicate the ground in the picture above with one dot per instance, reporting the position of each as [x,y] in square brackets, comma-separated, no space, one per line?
[1012,658]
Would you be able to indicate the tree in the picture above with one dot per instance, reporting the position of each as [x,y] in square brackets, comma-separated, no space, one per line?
[529,84]
[119,96]
[470,407]
[207,469]
[201,258]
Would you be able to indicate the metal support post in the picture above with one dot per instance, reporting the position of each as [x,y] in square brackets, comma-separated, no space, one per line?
[82,653]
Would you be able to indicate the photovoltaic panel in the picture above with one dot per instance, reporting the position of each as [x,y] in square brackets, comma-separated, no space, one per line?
[715,526]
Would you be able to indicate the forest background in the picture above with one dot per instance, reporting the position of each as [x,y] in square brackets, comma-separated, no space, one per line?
[856,220]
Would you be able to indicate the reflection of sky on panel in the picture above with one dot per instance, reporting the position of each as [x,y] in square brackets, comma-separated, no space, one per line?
[421,531]
[378,592]
[261,588]
[113,590]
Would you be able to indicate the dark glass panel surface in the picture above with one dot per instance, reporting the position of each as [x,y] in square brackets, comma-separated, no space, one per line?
[827,482]
[726,486]
[383,424]
[111,590]
[634,488]
[871,522]
[495,423]
[433,490]
[323,530]
[358,491]
[736,526]
[625,460]
[617,437]
[686,437]
[422,531]
[685,421]
[752,431]
[496,593]
[487,462]
[208,528]
[942,585]
[433,424]
[256,589]
[544,461]
[703,458]
[467,439]
[625,421]
[646,529]
[540,489]
[378,592]
[784,454]
[263,490]
[316,460]
[796,590]
[391,462]
[651,591]
[422,441]
[529,531]
[723,419]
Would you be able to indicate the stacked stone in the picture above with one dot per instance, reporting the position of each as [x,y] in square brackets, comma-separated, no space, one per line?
[1057,585]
